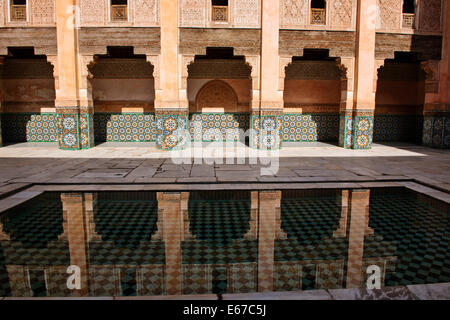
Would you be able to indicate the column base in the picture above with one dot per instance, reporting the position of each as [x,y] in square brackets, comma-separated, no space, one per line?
[75,130]
[171,128]
[356,130]
[436,131]
[266,129]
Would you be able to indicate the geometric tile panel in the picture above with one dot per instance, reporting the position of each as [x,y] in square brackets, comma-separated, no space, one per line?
[266,132]
[69,134]
[345,131]
[171,131]
[14,126]
[86,131]
[42,128]
[310,127]
[129,127]
[406,128]
[436,131]
[214,126]
[363,132]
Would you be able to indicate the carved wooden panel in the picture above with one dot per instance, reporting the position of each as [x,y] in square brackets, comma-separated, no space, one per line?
[219,69]
[341,12]
[216,94]
[389,14]
[193,13]
[146,12]
[42,11]
[246,13]
[293,13]
[430,15]
[93,12]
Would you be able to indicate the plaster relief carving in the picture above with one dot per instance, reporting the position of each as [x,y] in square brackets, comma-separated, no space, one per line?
[42,11]
[2,13]
[389,13]
[293,12]
[192,13]
[93,12]
[341,12]
[430,15]
[246,13]
[146,12]
[216,94]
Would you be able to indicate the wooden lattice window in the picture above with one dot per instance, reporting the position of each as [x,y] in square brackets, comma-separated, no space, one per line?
[409,14]
[318,12]
[119,10]
[219,10]
[18,10]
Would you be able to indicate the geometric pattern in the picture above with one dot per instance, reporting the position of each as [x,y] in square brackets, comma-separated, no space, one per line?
[266,132]
[171,131]
[310,127]
[214,126]
[69,134]
[345,131]
[436,131]
[43,128]
[130,127]
[363,132]
[406,128]
[86,130]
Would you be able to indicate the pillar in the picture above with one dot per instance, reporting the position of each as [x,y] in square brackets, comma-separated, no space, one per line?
[436,129]
[269,228]
[266,121]
[171,115]
[356,130]
[74,214]
[358,227]
[171,205]
[74,113]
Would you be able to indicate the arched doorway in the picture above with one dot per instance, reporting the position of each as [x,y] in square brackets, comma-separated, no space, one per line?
[219,90]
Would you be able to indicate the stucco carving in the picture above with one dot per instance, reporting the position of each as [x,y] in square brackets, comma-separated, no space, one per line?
[341,12]
[313,70]
[146,12]
[122,69]
[389,14]
[192,13]
[216,94]
[93,12]
[219,68]
[293,13]
[42,11]
[430,15]
[246,13]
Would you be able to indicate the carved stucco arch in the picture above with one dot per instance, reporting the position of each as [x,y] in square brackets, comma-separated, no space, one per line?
[216,94]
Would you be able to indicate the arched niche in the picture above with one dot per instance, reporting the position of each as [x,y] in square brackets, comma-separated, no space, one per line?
[216,96]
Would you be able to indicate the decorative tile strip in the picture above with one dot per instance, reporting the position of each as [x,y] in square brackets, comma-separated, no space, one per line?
[127,127]
[310,127]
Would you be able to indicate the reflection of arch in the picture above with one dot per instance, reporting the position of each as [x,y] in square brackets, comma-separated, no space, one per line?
[216,94]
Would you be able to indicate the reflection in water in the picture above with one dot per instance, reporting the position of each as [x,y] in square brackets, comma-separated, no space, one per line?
[148,243]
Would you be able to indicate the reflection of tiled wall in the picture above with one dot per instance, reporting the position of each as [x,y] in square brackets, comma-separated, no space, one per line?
[406,128]
[129,127]
[310,127]
[213,123]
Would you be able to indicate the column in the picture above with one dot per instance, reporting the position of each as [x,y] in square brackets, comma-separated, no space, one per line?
[171,116]
[436,130]
[267,119]
[75,218]
[357,122]
[359,226]
[171,206]
[75,119]
[269,227]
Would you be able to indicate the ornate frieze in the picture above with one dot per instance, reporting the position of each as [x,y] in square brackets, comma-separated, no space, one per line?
[313,70]
[122,69]
[42,12]
[146,12]
[293,13]
[246,13]
[341,13]
[93,12]
[389,14]
[430,15]
[219,69]
[193,13]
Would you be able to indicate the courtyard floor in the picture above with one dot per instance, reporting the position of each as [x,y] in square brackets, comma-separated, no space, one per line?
[140,163]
